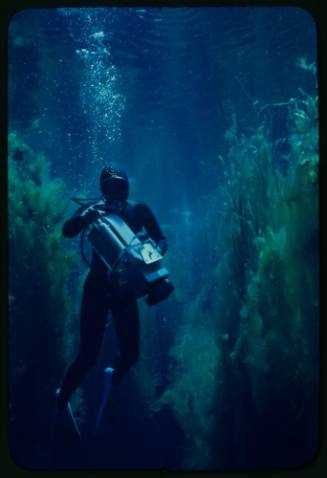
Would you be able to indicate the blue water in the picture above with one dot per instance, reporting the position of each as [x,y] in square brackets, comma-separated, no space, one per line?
[155,90]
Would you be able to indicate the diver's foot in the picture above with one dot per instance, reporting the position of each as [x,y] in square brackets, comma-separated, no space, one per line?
[60,401]
[115,375]
[65,407]
[108,371]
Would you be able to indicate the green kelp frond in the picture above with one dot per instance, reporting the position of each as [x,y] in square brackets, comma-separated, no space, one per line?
[40,263]
[278,336]
[245,354]
[193,381]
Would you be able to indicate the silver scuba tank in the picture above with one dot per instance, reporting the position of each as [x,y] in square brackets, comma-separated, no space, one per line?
[131,259]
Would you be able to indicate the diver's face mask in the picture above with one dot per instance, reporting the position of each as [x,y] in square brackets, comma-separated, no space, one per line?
[115,188]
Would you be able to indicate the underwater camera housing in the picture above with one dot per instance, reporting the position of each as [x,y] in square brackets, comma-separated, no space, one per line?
[131,258]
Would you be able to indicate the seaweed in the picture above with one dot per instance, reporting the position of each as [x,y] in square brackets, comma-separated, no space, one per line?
[256,309]
[41,310]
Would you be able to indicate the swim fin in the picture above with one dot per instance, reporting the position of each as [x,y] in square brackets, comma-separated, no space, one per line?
[68,411]
[107,389]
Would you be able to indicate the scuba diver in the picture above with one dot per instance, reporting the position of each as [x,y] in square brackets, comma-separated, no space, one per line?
[102,291]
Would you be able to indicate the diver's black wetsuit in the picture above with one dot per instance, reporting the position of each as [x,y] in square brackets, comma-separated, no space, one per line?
[99,296]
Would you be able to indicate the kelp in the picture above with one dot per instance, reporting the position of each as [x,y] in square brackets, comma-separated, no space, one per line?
[41,310]
[256,309]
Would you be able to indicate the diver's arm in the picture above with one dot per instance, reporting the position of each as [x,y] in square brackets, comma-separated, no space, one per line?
[151,225]
[82,218]
[75,224]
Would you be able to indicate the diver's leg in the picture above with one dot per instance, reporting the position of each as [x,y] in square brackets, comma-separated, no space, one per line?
[126,322]
[93,315]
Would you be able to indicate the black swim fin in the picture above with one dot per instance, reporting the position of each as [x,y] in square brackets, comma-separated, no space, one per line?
[68,412]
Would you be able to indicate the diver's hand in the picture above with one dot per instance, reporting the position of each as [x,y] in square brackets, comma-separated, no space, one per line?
[162,246]
[91,214]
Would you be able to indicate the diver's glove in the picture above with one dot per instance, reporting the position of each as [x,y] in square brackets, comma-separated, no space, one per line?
[90,214]
[162,246]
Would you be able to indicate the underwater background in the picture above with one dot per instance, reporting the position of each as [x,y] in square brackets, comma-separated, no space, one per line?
[213,113]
